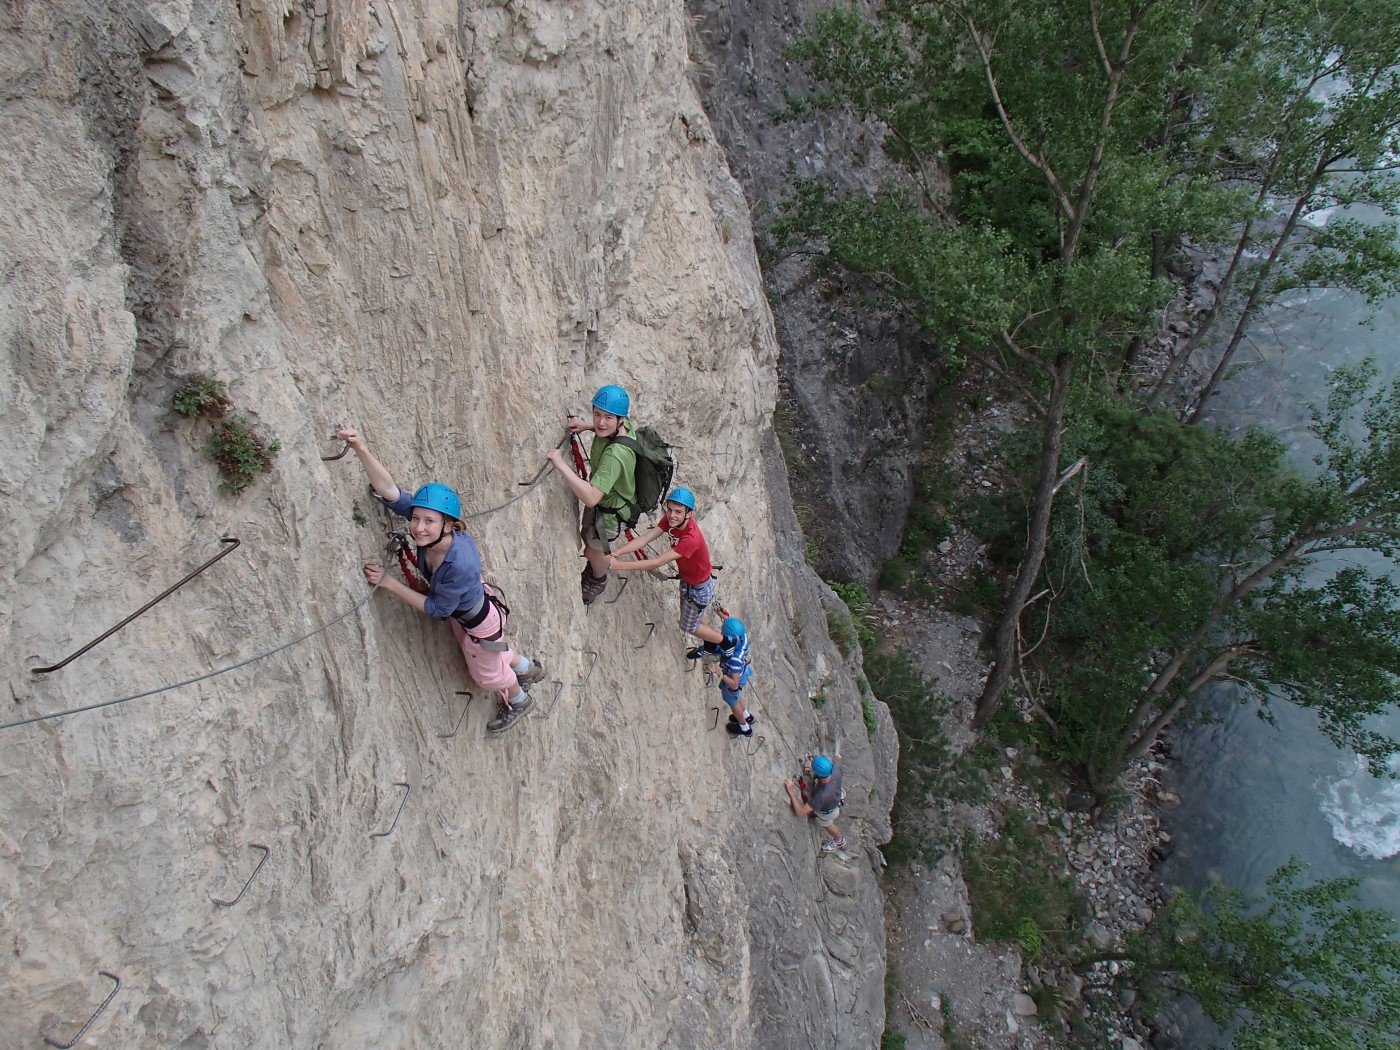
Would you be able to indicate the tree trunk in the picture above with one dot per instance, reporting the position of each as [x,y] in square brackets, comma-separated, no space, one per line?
[1206,323]
[1131,748]
[1252,303]
[1008,630]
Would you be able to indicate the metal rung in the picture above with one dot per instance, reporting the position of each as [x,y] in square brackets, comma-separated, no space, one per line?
[460,718]
[230,904]
[550,710]
[116,987]
[620,588]
[231,544]
[406,792]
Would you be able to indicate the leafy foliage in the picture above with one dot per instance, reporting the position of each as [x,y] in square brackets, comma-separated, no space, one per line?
[202,395]
[1305,967]
[1018,889]
[240,453]
[1081,144]
[1204,549]
[857,600]
[931,773]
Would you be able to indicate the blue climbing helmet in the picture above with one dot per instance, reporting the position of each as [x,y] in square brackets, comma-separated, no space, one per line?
[822,766]
[682,495]
[439,498]
[612,400]
[732,628]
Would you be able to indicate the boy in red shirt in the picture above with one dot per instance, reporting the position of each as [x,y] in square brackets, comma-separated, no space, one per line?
[691,554]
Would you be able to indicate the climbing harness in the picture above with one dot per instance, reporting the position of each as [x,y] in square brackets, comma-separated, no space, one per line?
[494,643]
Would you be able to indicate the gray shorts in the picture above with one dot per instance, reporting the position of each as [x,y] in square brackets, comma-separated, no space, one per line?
[599,538]
[694,600]
[826,819]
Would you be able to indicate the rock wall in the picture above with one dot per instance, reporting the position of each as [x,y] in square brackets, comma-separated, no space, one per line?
[445,224]
[856,377]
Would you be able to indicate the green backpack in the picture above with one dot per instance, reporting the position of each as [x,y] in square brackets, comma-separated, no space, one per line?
[655,468]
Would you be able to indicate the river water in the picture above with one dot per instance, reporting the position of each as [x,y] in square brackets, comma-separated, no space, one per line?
[1254,794]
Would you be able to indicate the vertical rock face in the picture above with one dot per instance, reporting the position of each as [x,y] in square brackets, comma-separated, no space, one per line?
[856,379]
[445,224]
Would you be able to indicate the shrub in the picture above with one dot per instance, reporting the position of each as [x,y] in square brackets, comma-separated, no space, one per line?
[894,575]
[929,769]
[240,453]
[202,395]
[979,595]
[857,600]
[1016,889]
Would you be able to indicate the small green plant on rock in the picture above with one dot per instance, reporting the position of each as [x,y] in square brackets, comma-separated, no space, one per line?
[867,708]
[240,453]
[1029,937]
[202,395]
[857,600]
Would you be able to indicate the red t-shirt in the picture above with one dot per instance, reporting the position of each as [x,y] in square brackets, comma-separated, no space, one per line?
[687,541]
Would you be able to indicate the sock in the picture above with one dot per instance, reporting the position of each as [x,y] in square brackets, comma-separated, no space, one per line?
[522,666]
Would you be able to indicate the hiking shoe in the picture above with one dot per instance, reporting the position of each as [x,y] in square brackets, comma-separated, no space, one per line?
[831,845]
[508,714]
[748,720]
[533,675]
[701,652]
[739,730]
[592,586]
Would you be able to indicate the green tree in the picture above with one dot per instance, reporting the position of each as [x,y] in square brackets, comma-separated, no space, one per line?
[1039,260]
[1216,556]
[1296,102]
[1081,142]
[1305,967]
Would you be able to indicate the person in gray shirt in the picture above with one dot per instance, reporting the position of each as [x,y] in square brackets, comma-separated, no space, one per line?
[824,800]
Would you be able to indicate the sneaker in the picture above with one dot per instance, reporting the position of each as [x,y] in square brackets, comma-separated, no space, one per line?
[592,586]
[701,652]
[749,720]
[508,714]
[739,730]
[831,845]
[533,675]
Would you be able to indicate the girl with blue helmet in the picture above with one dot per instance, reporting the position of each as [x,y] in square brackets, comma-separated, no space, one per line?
[610,488]
[448,559]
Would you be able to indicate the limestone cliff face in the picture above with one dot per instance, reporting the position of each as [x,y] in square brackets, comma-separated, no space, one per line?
[445,224]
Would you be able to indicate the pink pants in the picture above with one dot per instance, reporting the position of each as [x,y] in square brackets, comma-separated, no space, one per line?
[489,669]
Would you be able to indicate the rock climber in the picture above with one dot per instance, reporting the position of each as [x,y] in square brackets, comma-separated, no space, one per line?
[691,554]
[824,800]
[734,674]
[611,488]
[448,558]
